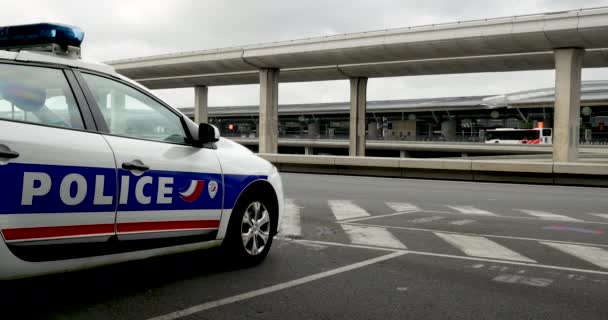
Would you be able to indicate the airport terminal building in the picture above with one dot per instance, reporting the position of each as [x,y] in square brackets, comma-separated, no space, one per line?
[451,119]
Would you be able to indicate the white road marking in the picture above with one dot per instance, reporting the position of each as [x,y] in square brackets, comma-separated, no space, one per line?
[402,206]
[346,209]
[462,222]
[451,256]
[481,247]
[427,219]
[471,210]
[594,255]
[472,234]
[380,216]
[271,289]
[290,223]
[513,278]
[547,215]
[601,215]
[514,217]
[372,236]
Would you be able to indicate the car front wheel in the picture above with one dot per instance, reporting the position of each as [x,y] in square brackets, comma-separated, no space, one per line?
[249,235]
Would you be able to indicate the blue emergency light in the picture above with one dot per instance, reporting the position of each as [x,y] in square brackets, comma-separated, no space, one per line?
[41,35]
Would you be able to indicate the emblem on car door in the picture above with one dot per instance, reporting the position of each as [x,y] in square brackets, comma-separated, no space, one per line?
[212,189]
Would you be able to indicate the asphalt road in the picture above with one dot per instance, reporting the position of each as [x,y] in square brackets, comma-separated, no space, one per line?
[370,248]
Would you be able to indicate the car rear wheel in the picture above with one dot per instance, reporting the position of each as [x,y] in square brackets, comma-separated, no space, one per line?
[249,234]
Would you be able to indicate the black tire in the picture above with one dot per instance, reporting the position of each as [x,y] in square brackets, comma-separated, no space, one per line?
[234,248]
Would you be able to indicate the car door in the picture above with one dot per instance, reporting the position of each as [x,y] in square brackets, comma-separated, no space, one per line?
[167,187]
[57,175]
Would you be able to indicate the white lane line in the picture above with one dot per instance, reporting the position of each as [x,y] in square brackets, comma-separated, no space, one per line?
[601,215]
[544,215]
[451,256]
[472,234]
[462,222]
[471,210]
[402,206]
[346,209]
[252,294]
[427,219]
[594,255]
[482,247]
[372,236]
[290,223]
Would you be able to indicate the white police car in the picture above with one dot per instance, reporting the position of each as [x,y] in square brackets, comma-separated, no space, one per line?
[94,169]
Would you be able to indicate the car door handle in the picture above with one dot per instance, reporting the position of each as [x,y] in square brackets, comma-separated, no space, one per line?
[6,152]
[135,165]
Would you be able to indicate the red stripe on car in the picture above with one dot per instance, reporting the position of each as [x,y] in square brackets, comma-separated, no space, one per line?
[167,225]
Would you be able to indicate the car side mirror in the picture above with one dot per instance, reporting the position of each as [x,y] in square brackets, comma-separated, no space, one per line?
[207,134]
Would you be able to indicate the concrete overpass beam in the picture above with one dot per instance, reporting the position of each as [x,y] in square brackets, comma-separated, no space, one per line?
[201,98]
[269,110]
[568,65]
[358,104]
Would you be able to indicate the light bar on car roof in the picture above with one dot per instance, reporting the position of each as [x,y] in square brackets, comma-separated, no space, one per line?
[57,38]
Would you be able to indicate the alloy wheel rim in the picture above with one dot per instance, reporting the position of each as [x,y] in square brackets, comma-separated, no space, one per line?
[255,228]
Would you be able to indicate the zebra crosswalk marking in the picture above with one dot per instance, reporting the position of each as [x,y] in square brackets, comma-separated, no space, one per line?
[482,247]
[601,215]
[593,255]
[372,236]
[546,215]
[471,210]
[290,223]
[427,219]
[462,222]
[402,206]
[346,209]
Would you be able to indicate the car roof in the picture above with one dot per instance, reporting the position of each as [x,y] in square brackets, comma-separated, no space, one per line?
[30,56]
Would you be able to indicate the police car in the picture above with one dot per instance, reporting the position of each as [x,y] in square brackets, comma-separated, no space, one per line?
[95,169]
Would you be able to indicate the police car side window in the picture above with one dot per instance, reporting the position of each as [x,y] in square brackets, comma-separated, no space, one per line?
[131,113]
[37,95]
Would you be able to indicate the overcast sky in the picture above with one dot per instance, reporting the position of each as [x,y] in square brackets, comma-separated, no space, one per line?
[116,29]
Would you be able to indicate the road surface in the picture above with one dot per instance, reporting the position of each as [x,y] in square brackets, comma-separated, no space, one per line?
[371,248]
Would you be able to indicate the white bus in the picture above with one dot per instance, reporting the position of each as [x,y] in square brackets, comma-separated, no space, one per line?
[520,136]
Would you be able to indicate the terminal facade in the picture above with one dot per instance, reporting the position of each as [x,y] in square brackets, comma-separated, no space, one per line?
[450,119]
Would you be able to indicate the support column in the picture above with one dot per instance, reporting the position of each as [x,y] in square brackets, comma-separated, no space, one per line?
[568,65]
[269,110]
[200,104]
[358,104]
[118,122]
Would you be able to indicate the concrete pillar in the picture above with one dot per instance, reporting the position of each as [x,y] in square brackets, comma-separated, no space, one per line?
[404,154]
[118,122]
[358,104]
[372,130]
[568,65]
[200,104]
[448,130]
[314,129]
[308,151]
[269,110]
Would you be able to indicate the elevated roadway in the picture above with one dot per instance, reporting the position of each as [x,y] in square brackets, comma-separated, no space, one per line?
[501,44]
[566,41]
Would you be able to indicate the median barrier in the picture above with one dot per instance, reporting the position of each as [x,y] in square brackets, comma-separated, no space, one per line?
[516,170]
